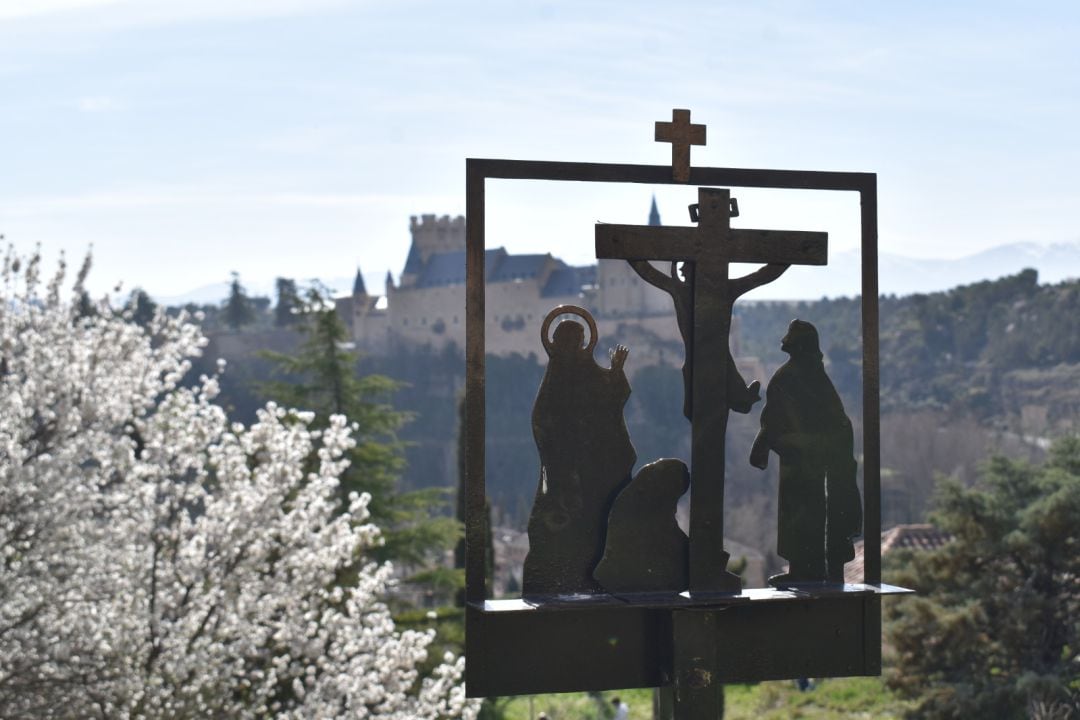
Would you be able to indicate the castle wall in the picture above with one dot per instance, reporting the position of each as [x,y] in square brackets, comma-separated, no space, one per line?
[432,317]
[371,332]
[627,309]
[620,292]
[436,316]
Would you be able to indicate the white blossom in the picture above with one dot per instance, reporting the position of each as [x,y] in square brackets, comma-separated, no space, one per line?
[159,561]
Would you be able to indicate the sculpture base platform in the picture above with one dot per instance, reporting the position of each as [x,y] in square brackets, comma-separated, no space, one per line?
[600,642]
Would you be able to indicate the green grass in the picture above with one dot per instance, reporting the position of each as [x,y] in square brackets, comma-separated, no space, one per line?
[856,697]
[839,698]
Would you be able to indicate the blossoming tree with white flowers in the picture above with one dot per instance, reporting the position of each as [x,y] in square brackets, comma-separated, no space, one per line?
[157,561]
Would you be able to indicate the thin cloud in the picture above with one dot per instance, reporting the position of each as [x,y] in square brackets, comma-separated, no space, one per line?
[16,9]
[186,197]
[159,12]
[96,104]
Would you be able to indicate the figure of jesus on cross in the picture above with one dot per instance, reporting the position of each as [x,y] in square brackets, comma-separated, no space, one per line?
[703,302]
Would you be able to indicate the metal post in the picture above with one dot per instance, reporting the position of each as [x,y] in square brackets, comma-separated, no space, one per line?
[698,693]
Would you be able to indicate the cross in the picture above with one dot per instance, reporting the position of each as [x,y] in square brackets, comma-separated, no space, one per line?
[681,134]
[711,247]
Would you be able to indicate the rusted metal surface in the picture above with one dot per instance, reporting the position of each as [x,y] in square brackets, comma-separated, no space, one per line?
[763,634]
[681,133]
[696,678]
[804,423]
[475,427]
[585,457]
[710,247]
[645,550]
[604,641]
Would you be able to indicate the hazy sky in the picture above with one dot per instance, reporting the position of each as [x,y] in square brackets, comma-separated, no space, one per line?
[279,137]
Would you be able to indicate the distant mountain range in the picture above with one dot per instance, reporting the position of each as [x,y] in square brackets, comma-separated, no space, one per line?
[898,275]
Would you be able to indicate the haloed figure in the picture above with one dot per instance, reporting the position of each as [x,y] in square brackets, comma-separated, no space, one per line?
[804,423]
[585,456]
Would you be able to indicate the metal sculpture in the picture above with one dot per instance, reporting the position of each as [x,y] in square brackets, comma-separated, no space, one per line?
[740,396]
[645,550]
[585,458]
[633,602]
[804,423]
[711,247]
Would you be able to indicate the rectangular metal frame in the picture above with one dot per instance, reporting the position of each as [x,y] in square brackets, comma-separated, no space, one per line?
[643,630]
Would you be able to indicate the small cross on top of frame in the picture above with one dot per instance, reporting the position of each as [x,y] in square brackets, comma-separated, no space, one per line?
[681,134]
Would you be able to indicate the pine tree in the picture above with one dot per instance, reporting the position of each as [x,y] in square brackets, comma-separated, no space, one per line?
[288,302]
[323,377]
[994,631]
[238,308]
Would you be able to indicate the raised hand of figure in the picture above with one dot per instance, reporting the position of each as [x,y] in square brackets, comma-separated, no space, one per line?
[618,356]
[754,390]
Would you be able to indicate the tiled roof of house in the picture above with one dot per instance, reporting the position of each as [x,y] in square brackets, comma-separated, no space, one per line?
[918,537]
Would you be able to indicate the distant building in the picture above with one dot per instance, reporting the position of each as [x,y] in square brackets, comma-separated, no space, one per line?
[426,307]
[917,537]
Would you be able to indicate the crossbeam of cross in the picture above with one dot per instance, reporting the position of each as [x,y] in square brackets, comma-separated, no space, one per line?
[711,247]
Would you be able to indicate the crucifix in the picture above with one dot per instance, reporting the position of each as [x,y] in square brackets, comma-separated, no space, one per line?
[630,633]
[681,134]
[709,249]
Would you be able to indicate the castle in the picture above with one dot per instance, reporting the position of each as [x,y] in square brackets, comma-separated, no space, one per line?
[426,307]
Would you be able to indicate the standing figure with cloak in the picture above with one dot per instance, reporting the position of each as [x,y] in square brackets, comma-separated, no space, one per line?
[585,458]
[803,421]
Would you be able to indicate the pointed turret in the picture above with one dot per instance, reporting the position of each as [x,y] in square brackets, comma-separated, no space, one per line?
[654,214]
[389,281]
[358,284]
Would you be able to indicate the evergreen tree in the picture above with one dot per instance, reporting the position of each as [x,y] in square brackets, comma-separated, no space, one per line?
[288,302]
[141,307]
[238,308]
[322,377]
[995,629]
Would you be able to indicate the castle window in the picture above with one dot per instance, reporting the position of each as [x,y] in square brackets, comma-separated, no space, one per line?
[423,321]
[455,320]
[405,321]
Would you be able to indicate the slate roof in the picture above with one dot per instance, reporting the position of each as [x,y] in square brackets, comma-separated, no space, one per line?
[518,267]
[448,268]
[444,269]
[917,537]
[568,281]
[441,269]
[413,264]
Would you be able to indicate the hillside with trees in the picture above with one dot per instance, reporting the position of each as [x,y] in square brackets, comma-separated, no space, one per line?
[983,368]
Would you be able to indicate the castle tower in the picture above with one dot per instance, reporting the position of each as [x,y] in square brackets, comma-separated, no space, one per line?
[358,289]
[431,236]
